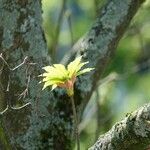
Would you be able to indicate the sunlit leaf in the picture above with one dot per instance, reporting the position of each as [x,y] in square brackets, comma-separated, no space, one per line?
[46,84]
[58,75]
[48,68]
[72,67]
[84,71]
[81,65]
[62,69]
[53,87]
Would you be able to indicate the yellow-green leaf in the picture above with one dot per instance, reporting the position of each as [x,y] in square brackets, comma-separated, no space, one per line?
[57,74]
[53,87]
[84,71]
[81,65]
[48,68]
[46,84]
[72,67]
[61,68]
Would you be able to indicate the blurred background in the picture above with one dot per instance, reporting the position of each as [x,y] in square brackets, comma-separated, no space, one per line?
[125,85]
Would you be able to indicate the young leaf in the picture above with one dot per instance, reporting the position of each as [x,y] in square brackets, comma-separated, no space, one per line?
[84,71]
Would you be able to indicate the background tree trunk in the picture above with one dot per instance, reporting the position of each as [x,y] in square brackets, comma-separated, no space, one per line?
[47,123]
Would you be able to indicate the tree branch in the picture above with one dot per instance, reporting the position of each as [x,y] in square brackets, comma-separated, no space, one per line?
[99,44]
[132,133]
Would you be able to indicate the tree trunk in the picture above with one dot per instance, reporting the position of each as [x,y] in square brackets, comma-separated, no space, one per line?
[47,122]
[21,35]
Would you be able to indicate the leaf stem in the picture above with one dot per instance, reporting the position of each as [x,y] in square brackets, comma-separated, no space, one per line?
[75,122]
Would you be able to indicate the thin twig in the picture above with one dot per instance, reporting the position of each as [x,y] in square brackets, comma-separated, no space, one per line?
[13,108]
[24,93]
[96,4]
[13,69]
[58,28]
[115,76]
[8,84]
[98,114]
[2,112]
[18,108]
[68,17]
[1,69]
[75,122]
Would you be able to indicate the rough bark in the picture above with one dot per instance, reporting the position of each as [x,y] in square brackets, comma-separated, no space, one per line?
[21,35]
[47,124]
[132,133]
